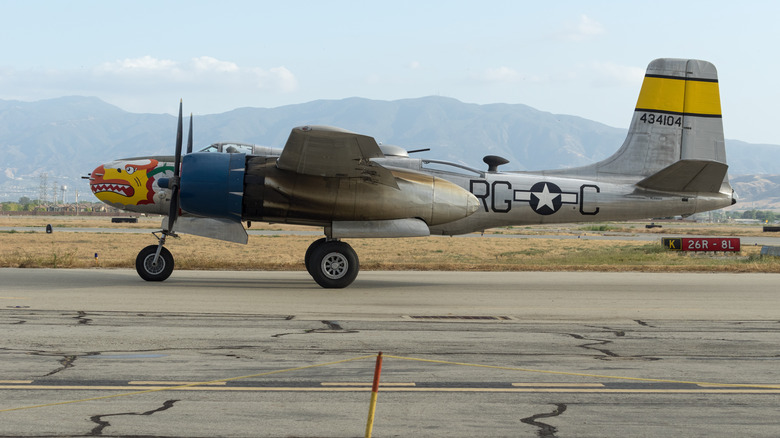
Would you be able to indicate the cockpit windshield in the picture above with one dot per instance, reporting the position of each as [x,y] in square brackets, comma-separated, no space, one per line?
[241,148]
[230,148]
[237,148]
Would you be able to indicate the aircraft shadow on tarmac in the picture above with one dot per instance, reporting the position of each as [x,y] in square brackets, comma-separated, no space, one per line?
[266,279]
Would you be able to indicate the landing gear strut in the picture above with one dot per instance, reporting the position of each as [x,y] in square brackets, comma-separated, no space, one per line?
[333,264]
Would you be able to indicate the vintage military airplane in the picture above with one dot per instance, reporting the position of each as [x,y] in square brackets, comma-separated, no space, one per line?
[673,162]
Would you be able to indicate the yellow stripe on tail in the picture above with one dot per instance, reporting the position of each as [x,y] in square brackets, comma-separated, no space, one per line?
[677,95]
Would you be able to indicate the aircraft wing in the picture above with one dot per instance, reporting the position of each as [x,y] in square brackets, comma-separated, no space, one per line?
[334,152]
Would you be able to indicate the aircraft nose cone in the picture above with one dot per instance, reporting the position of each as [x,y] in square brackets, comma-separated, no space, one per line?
[96,177]
[472,204]
[131,184]
[451,202]
[110,183]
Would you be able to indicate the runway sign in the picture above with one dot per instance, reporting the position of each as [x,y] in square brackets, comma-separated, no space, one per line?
[702,243]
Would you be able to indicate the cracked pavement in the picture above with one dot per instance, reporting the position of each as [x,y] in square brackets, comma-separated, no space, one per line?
[102,423]
[545,430]
[54,351]
[149,346]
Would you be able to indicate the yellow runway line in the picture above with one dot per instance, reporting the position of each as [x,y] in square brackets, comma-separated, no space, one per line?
[230,379]
[158,383]
[597,376]
[558,385]
[367,384]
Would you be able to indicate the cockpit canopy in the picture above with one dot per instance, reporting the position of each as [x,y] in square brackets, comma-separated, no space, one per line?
[390,150]
[241,148]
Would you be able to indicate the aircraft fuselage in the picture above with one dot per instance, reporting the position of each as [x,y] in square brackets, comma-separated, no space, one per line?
[502,198]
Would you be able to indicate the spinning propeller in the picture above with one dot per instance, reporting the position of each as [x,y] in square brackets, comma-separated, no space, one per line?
[174,183]
[155,263]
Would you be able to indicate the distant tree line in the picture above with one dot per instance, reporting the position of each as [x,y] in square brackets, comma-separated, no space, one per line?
[35,205]
[24,204]
[760,215]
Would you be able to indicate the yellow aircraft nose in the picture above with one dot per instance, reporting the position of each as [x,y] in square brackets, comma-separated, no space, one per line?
[106,184]
[132,184]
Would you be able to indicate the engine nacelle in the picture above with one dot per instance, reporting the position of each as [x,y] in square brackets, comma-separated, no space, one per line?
[275,195]
[236,187]
[212,184]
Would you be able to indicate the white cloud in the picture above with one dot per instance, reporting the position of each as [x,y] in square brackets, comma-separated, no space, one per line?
[9,173]
[283,79]
[166,69]
[147,84]
[204,71]
[589,27]
[135,65]
[585,28]
[207,63]
[414,65]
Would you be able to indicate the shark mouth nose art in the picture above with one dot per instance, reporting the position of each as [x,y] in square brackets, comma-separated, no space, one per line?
[120,189]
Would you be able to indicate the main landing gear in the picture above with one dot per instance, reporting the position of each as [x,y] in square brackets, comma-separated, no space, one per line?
[331,263]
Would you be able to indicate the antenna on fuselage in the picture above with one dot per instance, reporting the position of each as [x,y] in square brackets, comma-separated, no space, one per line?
[493,161]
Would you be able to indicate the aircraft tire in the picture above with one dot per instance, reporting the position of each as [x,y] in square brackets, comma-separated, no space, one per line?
[150,272]
[309,251]
[334,265]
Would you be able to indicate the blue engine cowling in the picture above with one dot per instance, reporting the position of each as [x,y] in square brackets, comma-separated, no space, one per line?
[212,184]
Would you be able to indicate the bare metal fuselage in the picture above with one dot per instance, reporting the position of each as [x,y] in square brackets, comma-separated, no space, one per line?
[503,198]
[523,198]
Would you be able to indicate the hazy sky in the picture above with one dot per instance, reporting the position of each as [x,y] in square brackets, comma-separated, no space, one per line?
[585,58]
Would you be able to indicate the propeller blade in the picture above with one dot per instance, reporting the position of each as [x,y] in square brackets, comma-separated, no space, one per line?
[174,211]
[178,144]
[189,137]
[174,183]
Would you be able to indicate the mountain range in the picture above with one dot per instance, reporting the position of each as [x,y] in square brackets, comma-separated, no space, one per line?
[67,137]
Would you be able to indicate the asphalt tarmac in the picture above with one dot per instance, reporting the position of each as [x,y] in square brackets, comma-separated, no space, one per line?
[98,352]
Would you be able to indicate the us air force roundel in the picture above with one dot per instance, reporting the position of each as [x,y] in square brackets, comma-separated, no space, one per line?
[545,198]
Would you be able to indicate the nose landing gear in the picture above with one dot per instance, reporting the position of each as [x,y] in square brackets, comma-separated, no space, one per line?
[154,270]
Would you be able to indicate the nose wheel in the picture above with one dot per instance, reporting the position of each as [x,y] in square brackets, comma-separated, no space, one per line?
[151,270]
[332,264]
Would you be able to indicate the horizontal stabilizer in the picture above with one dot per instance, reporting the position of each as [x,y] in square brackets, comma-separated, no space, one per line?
[688,176]
[215,228]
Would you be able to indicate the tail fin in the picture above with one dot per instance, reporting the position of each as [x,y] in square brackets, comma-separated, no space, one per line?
[675,139]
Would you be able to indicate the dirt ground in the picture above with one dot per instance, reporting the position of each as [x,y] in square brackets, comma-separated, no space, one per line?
[31,246]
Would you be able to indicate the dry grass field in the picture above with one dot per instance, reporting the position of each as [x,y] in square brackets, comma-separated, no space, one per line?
[30,246]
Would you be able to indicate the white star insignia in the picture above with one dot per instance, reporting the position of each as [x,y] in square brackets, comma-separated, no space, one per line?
[546,198]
